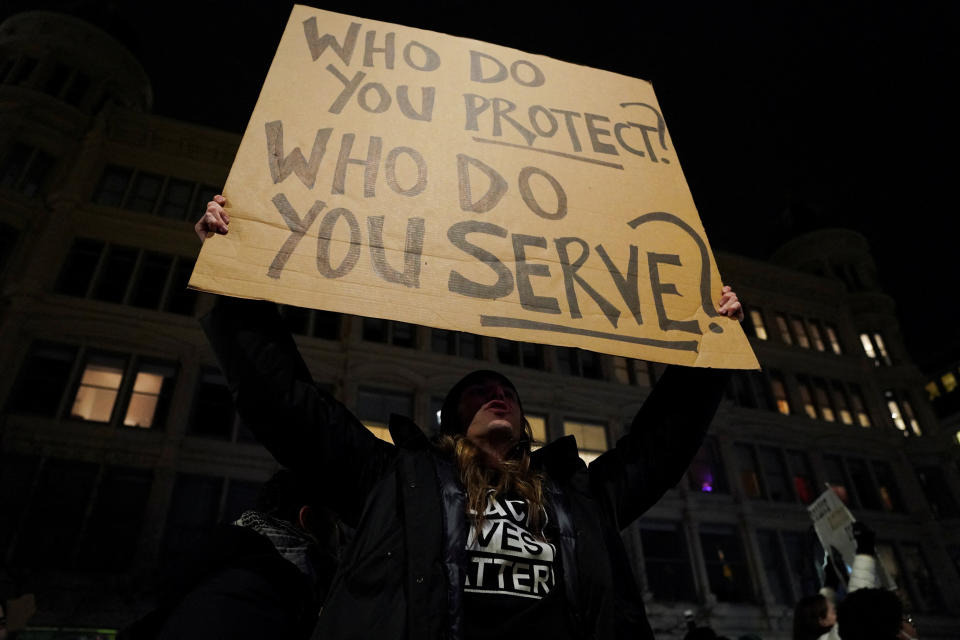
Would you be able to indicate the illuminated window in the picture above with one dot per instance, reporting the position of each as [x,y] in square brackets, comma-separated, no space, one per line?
[837,478]
[816,336]
[881,348]
[859,407]
[725,563]
[150,398]
[99,385]
[800,331]
[806,396]
[803,484]
[779,393]
[910,417]
[933,391]
[949,381]
[706,470]
[840,401]
[867,346]
[538,424]
[749,471]
[374,407]
[591,438]
[784,329]
[630,371]
[759,329]
[834,341]
[823,401]
[895,413]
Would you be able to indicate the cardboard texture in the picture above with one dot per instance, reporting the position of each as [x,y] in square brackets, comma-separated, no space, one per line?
[404,174]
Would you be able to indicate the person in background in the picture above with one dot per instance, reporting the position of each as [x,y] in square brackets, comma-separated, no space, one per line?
[870,614]
[264,576]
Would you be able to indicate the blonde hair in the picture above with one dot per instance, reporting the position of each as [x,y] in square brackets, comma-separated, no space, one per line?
[483,481]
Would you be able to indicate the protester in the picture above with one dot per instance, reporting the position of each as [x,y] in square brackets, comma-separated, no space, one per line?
[815,617]
[471,536]
[264,576]
[870,614]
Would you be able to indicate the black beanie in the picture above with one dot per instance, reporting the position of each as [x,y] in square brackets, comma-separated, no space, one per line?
[450,423]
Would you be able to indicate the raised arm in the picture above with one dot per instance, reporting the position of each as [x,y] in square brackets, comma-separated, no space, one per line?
[663,437]
[305,428]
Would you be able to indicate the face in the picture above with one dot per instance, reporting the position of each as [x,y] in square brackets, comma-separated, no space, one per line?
[830,618]
[492,411]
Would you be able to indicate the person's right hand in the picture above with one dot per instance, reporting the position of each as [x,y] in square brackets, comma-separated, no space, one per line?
[214,220]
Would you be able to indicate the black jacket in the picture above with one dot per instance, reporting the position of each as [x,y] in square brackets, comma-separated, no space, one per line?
[402,577]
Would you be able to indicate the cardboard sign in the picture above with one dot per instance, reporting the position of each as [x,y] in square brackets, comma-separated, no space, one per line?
[833,524]
[409,175]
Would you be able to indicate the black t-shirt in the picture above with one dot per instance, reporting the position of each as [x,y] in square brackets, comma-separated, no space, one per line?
[513,584]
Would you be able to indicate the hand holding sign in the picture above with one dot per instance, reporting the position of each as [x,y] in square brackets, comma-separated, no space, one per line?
[418,177]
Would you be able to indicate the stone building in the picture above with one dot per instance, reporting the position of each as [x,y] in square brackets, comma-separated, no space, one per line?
[119,444]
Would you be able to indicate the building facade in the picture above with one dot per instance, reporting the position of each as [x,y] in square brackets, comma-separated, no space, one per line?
[119,444]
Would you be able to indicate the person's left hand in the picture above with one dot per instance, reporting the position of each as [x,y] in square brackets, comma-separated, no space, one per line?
[729,305]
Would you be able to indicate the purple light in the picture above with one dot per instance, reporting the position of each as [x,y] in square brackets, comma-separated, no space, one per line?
[707,487]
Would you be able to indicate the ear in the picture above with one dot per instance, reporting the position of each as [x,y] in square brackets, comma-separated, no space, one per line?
[304,516]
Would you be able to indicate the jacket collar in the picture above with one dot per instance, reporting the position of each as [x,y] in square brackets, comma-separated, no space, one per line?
[560,458]
[406,434]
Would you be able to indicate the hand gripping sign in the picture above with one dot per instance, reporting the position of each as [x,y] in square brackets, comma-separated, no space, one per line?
[409,175]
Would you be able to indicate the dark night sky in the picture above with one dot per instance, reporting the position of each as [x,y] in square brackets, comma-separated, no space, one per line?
[787,116]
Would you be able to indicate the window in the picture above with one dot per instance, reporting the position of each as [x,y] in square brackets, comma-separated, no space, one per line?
[666,562]
[538,425]
[863,418]
[910,417]
[816,335]
[927,593]
[887,486]
[785,336]
[834,340]
[875,349]
[778,577]
[374,407]
[806,397]
[43,379]
[591,438]
[949,381]
[146,192]
[577,362]
[837,478]
[99,386]
[706,473]
[312,322]
[867,493]
[823,400]
[935,488]
[759,328]
[632,372]
[779,390]
[749,471]
[152,391]
[456,343]
[400,334]
[125,275]
[776,479]
[803,484]
[840,400]
[725,563]
[800,331]
[25,169]
[896,414]
[933,391]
